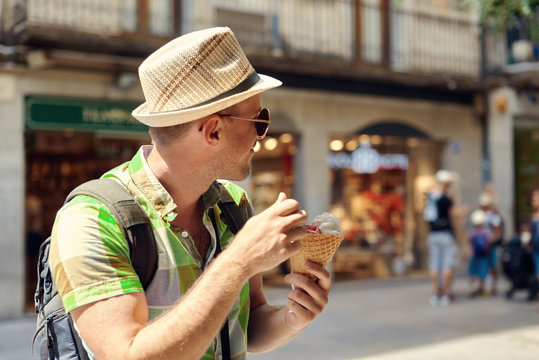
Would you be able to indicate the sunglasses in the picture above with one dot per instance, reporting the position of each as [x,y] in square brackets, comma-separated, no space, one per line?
[262,122]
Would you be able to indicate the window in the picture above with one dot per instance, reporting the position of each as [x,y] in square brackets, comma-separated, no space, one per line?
[161,17]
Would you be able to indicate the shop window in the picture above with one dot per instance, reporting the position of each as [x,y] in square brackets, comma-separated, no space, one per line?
[56,162]
[526,170]
[161,17]
[369,196]
[272,169]
[252,26]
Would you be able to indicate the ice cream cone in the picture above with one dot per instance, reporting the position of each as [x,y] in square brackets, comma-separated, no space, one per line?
[318,248]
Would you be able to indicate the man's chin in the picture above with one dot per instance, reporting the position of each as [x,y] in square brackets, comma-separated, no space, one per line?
[240,176]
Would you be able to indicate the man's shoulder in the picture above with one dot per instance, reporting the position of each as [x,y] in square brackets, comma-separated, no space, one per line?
[84,212]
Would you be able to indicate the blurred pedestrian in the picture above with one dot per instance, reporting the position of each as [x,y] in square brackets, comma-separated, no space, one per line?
[479,237]
[439,212]
[494,222]
[534,227]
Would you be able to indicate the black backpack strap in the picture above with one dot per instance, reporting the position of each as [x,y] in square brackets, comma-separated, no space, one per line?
[225,339]
[131,218]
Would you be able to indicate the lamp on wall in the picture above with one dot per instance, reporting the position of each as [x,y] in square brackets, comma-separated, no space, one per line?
[501,103]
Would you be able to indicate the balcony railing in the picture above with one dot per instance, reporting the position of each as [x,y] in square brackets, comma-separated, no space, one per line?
[139,24]
[372,32]
[399,36]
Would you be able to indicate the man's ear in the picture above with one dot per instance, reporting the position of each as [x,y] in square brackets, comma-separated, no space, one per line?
[211,129]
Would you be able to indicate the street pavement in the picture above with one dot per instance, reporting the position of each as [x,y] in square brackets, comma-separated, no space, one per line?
[391,319]
[382,320]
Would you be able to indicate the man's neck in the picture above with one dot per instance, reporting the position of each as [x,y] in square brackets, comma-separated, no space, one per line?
[184,180]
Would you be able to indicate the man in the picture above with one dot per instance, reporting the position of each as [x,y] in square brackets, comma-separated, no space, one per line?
[204,113]
[441,242]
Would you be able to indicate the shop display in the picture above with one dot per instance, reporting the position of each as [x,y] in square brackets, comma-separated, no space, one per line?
[369,196]
[272,170]
[56,162]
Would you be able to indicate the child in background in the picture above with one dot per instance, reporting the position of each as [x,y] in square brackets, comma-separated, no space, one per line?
[479,237]
[494,223]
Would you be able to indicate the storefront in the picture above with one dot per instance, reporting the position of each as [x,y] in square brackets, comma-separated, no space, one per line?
[526,168]
[273,169]
[378,195]
[513,126]
[67,142]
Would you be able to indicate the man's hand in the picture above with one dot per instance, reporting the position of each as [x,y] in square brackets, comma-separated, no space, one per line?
[270,237]
[273,326]
[308,297]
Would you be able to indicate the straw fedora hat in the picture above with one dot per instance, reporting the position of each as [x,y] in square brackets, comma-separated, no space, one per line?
[196,75]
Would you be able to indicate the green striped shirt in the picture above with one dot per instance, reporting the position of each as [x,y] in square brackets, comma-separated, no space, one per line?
[90,257]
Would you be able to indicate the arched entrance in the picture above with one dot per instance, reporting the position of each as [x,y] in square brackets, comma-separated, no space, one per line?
[379,180]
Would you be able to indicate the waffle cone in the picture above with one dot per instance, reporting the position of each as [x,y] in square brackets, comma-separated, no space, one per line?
[318,248]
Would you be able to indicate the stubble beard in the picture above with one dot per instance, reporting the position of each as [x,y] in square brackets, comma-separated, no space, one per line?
[236,171]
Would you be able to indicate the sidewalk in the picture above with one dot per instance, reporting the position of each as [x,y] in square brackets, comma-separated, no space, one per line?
[382,320]
[518,344]
[16,338]
[392,320]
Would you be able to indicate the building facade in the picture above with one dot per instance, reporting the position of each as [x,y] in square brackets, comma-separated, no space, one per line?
[377,96]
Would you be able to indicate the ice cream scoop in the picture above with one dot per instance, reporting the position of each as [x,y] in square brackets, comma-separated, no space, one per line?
[328,224]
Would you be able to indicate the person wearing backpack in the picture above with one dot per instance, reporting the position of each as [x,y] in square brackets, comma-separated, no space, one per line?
[479,237]
[438,213]
[204,116]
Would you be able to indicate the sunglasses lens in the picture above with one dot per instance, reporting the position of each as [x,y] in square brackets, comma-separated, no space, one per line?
[264,114]
[261,128]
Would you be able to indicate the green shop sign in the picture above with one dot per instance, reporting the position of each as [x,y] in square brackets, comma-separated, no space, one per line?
[59,113]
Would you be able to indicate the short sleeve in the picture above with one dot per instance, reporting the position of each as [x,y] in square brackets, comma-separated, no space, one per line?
[89,254]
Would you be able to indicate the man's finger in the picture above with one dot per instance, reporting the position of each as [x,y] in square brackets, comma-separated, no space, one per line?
[324,280]
[296,233]
[295,220]
[282,197]
[284,208]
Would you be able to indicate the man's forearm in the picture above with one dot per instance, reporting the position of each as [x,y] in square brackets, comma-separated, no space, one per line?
[185,332]
[192,324]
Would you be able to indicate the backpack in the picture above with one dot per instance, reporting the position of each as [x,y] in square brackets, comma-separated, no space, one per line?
[430,213]
[480,243]
[55,336]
